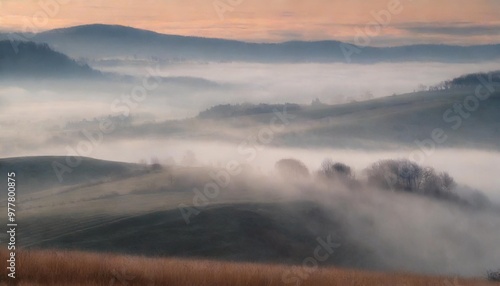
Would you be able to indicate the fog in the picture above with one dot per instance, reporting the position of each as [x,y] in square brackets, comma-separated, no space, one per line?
[416,234]
[476,169]
[210,84]
[331,83]
[40,111]
[402,231]
[430,236]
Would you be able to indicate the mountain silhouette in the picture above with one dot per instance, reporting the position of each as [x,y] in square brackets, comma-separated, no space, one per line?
[98,41]
[29,59]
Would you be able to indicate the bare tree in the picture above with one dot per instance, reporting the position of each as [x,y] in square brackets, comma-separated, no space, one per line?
[448,183]
[332,170]
[155,163]
[404,175]
[395,174]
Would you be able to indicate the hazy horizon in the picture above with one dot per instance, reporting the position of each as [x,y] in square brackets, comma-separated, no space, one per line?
[410,22]
[23,34]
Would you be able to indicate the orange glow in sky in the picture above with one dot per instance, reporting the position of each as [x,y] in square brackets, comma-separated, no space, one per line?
[419,21]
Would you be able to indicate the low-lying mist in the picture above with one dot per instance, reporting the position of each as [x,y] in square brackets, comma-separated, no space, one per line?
[246,212]
[410,233]
[403,230]
[301,83]
[476,169]
[185,89]
[386,228]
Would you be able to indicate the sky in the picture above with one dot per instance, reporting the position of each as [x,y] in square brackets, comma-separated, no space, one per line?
[462,22]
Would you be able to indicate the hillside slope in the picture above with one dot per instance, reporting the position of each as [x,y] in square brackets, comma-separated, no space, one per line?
[29,59]
[384,123]
[35,174]
[258,217]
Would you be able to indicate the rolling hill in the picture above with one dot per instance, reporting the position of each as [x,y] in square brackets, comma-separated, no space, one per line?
[378,124]
[34,60]
[256,218]
[101,41]
[37,173]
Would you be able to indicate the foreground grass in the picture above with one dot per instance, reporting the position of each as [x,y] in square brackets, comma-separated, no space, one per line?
[80,268]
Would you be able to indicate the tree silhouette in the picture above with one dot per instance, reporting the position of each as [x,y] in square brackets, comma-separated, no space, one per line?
[292,168]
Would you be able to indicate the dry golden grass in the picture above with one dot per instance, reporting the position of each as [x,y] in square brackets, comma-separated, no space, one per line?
[80,268]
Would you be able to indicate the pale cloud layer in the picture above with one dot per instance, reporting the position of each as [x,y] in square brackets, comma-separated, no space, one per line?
[438,21]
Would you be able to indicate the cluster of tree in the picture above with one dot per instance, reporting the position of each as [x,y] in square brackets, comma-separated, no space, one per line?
[335,170]
[404,175]
[395,175]
[117,121]
[463,81]
[444,85]
[474,79]
[230,110]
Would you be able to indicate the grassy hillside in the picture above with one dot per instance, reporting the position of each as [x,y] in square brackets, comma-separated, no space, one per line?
[255,218]
[56,268]
[383,123]
[401,120]
[38,173]
[247,221]
[258,232]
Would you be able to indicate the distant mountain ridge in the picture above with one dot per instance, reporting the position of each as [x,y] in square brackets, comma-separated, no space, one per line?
[29,59]
[98,41]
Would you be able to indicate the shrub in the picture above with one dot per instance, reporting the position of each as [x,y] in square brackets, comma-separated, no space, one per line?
[395,174]
[292,168]
[494,276]
[332,170]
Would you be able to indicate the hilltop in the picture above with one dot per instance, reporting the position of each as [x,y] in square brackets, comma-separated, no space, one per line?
[38,173]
